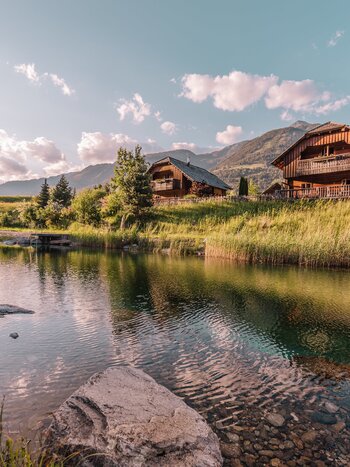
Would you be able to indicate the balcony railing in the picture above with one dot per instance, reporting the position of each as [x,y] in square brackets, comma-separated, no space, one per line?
[166,184]
[318,192]
[340,163]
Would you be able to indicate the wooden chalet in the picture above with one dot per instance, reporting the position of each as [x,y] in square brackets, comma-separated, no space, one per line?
[174,178]
[318,164]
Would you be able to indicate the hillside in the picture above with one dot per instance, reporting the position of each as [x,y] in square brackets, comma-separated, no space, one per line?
[251,158]
[90,176]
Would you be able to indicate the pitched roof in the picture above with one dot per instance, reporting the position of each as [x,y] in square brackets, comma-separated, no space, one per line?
[323,128]
[195,173]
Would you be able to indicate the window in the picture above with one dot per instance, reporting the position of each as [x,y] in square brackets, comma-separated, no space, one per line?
[327,150]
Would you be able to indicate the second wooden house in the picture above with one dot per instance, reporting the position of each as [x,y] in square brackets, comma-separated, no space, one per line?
[174,178]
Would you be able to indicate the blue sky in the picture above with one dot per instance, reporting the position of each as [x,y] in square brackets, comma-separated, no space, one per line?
[79,78]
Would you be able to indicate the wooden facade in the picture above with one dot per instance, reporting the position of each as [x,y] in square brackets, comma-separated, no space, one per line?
[320,159]
[172,178]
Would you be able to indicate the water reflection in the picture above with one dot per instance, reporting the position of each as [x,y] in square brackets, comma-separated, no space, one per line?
[227,338]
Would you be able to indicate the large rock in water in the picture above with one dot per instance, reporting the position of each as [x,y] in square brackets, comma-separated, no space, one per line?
[13,310]
[122,417]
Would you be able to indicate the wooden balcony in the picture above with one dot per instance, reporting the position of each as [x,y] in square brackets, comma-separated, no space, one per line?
[318,192]
[339,163]
[166,184]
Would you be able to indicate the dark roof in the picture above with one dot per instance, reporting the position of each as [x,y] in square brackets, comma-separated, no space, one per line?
[272,188]
[195,173]
[323,128]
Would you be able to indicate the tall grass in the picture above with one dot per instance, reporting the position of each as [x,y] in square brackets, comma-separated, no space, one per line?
[312,233]
[102,238]
[17,453]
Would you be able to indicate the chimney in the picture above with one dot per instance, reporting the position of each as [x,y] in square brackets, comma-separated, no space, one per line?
[188,161]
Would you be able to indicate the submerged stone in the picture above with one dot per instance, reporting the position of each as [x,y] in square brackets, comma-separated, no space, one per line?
[14,335]
[275,419]
[330,407]
[123,417]
[325,418]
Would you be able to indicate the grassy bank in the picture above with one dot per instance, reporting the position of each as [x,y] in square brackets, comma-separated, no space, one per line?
[312,233]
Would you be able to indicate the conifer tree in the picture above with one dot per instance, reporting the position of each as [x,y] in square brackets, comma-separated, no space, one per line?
[132,184]
[62,194]
[44,195]
[243,187]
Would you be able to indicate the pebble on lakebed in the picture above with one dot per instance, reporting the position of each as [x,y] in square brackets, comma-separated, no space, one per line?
[14,335]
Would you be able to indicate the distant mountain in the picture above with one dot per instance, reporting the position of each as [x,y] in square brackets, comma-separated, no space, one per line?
[251,158]
[95,174]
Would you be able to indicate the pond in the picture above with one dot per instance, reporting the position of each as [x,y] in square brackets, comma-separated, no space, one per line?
[236,342]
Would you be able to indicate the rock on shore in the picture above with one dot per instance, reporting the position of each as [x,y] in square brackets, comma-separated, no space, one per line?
[122,417]
[13,310]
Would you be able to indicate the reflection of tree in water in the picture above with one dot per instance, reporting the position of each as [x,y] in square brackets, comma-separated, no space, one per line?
[284,311]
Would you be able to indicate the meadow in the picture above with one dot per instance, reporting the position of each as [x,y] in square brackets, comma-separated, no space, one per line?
[310,233]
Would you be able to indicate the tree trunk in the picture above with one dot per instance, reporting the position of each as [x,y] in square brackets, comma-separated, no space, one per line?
[122,222]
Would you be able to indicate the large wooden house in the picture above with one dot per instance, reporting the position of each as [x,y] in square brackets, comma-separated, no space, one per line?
[174,178]
[318,164]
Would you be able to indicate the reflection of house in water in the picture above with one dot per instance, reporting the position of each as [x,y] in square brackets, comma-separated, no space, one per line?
[174,178]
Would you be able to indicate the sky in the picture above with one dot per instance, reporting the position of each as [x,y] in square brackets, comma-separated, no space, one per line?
[80,78]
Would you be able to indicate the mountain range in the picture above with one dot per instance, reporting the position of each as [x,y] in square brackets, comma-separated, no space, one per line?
[251,158]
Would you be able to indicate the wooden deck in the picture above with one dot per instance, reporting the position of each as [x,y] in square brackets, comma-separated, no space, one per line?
[312,167]
[320,192]
[166,184]
[49,239]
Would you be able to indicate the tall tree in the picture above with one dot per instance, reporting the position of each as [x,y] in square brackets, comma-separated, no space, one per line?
[44,195]
[62,194]
[243,187]
[132,184]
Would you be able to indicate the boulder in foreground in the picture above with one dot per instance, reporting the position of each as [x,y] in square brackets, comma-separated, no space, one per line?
[122,417]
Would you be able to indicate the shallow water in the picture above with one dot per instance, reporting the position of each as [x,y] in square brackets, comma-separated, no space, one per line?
[235,341]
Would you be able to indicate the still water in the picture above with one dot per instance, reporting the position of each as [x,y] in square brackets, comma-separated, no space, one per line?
[235,341]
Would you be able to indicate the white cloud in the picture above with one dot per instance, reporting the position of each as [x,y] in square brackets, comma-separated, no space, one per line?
[230,135]
[168,128]
[60,167]
[136,107]
[286,116]
[17,155]
[238,90]
[29,71]
[233,92]
[302,96]
[295,95]
[189,146]
[332,106]
[158,116]
[97,147]
[60,83]
[40,148]
[333,41]
[11,169]
[173,81]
